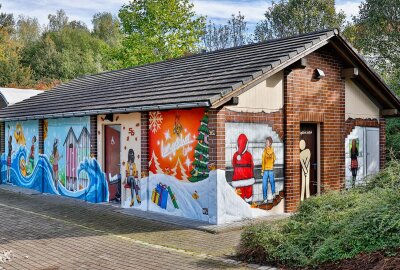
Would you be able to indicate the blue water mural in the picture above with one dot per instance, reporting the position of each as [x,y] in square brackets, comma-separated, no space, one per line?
[65,168]
[41,178]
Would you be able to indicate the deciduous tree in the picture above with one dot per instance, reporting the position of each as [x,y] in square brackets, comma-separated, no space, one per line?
[290,17]
[158,30]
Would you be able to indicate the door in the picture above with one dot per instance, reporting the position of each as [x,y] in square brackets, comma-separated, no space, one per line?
[112,155]
[308,160]
[372,146]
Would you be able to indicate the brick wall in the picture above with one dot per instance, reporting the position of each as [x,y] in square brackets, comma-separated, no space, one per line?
[382,143]
[93,136]
[144,126]
[321,101]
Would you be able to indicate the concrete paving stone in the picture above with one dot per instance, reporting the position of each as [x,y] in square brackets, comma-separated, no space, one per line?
[51,232]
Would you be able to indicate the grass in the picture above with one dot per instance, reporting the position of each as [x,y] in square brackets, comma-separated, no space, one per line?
[332,227]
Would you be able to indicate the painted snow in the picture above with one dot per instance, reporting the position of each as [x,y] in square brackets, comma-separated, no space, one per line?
[215,197]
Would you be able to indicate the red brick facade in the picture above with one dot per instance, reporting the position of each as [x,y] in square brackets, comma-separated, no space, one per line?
[306,100]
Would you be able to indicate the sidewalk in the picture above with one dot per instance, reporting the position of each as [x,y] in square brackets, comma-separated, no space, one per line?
[159,217]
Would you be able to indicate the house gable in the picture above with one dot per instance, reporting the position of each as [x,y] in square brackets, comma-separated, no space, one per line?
[358,104]
[267,96]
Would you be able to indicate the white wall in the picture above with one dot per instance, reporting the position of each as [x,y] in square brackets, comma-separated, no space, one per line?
[128,122]
[358,104]
[266,96]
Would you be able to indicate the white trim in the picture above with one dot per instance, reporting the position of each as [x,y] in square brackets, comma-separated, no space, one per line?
[249,199]
[243,183]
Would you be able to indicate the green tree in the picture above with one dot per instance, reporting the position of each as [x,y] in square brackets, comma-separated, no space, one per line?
[57,21]
[66,50]
[12,73]
[158,30]
[28,30]
[376,33]
[232,34]
[7,22]
[107,27]
[291,17]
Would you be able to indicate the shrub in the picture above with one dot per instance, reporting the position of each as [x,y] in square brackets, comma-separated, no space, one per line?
[331,227]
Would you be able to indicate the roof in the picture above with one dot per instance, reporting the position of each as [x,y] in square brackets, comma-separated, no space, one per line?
[14,95]
[201,80]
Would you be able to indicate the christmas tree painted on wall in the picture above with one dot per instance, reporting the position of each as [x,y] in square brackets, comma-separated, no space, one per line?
[201,152]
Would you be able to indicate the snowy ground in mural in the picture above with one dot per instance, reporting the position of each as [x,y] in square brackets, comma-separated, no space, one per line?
[198,200]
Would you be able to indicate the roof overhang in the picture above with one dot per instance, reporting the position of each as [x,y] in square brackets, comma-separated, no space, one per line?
[201,104]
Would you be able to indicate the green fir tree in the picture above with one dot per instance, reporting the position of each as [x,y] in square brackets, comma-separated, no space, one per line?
[201,152]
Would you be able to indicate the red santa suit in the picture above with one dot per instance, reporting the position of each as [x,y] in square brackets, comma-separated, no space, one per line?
[243,169]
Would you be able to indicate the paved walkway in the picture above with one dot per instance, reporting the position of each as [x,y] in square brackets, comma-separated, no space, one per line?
[51,232]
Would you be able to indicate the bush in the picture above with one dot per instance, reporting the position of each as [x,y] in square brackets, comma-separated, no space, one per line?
[331,227]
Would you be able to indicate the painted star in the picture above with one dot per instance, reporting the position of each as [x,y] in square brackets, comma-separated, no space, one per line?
[167,135]
[187,162]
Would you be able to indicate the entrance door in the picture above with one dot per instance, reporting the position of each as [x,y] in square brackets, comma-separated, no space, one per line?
[308,158]
[112,155]
[372,150]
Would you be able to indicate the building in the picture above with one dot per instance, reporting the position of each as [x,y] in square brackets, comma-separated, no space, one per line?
[187,137]
[10,96]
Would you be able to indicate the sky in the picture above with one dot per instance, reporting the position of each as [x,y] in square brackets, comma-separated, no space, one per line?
[218,11]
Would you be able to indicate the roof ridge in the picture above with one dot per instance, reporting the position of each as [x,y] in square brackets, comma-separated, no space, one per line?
[211,52]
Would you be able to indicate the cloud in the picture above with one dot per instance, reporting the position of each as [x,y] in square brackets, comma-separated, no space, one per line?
[350,8]
[222,10]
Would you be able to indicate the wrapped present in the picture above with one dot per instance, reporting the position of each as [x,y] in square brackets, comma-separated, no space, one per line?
[164,197]
[173,198]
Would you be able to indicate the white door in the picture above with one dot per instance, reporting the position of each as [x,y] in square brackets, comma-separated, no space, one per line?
[372,135]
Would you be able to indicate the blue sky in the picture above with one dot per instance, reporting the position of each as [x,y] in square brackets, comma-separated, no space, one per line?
[217,10]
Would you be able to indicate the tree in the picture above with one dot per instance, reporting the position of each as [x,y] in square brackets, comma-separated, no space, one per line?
[158,30]
[106,27]
[376,33]
[7,22]
[179,171]
[232,34]
[291,17]
[201,152]
[12,73]
[57,21]
[28,30]
[154,165]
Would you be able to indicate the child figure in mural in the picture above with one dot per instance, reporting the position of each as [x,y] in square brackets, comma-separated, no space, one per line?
[267,169]
[32,156]
[354,161]
[9,159]
[305,157]
[55,158]
[132,177]
[243,170]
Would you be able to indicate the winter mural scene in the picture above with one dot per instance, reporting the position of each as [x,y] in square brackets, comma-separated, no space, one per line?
[254,162]
[65,168]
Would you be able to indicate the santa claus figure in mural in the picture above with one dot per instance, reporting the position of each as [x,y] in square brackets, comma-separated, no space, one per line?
[243,170]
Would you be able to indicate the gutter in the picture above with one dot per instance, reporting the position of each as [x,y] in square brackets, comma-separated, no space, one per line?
[106,111]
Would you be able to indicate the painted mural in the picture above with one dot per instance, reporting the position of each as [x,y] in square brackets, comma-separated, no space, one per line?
[20,140]
[179,163]
[65,168]
[119,150]
[254,164]
[355,168]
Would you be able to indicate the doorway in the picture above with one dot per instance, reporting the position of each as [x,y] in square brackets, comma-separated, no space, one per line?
[308,160]
[112,159]
[372,150]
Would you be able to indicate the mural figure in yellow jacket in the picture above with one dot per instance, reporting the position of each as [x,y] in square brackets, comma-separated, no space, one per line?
[267,169]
